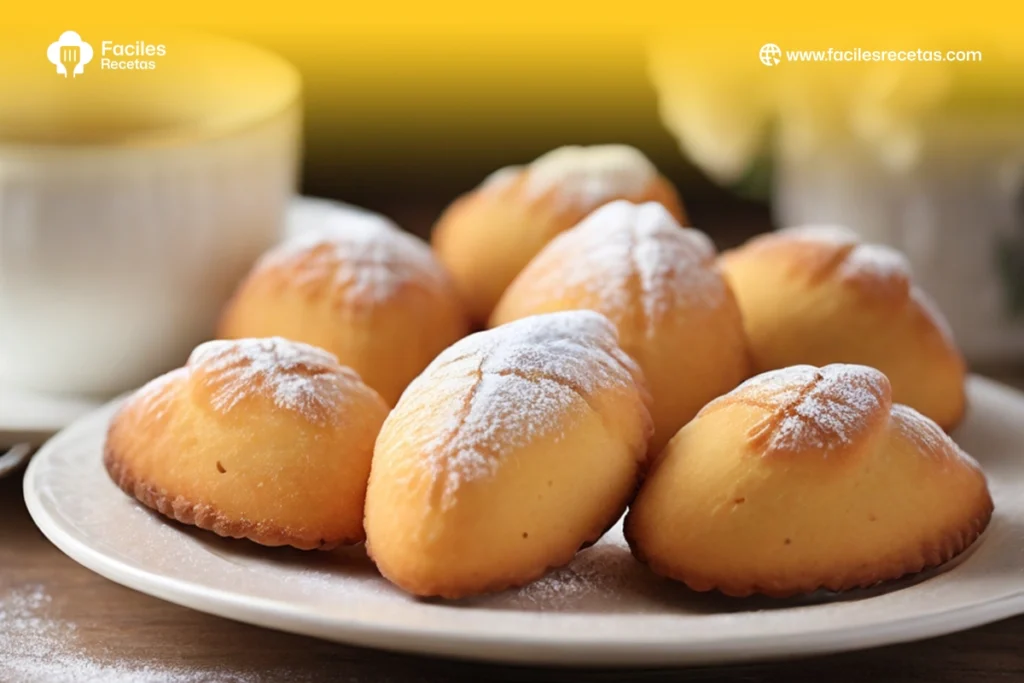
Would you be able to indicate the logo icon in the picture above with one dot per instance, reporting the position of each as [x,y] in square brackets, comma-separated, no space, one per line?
[69,54]
[771,54]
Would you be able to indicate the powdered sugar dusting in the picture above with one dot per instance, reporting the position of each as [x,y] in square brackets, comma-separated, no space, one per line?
[865,262]
[875,261]
[926,435]
[812,408]
[362,257]
[503,388]
[919,430]
[605,577]
[476,440]
[590,176]
[156,392]
[623,255]
[35,646]
[295,376]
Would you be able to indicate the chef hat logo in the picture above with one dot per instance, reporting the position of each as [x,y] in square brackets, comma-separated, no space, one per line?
[70,51]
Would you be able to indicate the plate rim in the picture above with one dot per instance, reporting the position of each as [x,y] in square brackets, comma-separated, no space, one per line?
[600,650]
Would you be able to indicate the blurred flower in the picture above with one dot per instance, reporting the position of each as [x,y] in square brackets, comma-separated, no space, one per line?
[721,118]
[726,111]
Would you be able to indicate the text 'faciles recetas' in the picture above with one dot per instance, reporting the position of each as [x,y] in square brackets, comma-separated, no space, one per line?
[130,56]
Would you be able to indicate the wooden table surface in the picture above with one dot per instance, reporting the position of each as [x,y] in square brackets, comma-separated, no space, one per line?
[70,622]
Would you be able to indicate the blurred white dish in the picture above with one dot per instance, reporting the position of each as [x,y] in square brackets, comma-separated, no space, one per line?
[32,417]
[603,609]
[130,208]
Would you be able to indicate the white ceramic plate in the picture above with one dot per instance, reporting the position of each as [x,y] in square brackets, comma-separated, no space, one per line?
[604,609]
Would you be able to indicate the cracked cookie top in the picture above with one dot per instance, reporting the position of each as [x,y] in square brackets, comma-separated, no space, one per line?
[353,259]
[295,377]
[584,177]
[632,261]
[806,408]
[497,391]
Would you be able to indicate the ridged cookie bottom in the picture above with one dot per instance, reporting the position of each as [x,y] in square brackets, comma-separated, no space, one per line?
[928,556]
[208,517]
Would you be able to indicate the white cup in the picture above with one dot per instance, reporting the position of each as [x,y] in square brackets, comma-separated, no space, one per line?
[129,209]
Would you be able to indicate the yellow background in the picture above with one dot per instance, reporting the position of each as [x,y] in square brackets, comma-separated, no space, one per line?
[424,98]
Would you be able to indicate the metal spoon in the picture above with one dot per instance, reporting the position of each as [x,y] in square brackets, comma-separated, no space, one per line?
[14,458]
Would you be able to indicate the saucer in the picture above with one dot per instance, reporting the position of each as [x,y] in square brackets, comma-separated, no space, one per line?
[31,417]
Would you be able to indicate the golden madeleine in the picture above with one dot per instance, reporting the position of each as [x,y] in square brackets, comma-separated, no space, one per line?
[806,478]
[359,287]
[486,236]
[660,285]
[817,295]
[265,439]
[513,449]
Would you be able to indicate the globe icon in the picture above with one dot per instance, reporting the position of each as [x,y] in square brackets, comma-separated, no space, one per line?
[770,54]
